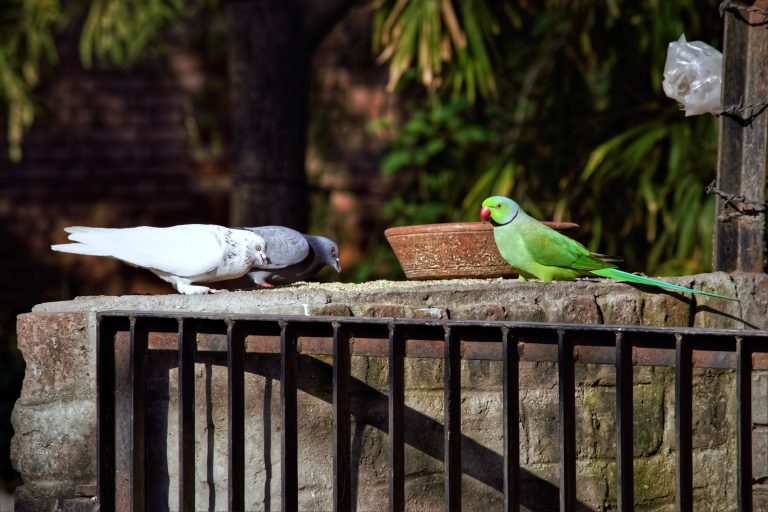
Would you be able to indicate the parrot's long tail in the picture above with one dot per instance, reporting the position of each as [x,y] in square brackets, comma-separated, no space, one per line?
[615,273]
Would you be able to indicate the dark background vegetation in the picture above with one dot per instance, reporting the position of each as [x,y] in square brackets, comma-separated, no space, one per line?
[343,118]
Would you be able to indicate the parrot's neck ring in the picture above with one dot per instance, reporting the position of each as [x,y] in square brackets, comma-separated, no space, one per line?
[497,224]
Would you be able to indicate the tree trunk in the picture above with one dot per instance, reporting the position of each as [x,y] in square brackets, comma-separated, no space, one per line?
[268,83]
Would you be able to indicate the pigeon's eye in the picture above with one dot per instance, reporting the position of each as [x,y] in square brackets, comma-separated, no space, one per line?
[258,247]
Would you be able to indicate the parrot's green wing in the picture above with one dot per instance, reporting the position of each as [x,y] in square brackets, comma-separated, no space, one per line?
[548,247]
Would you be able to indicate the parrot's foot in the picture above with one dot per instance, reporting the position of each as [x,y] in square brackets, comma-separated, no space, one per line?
[521,279]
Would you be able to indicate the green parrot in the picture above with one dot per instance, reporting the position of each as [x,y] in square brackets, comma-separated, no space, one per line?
[537,251]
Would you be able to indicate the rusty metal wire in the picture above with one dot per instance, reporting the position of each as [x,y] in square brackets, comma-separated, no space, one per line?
[736,112]
[740,204]
[728,5]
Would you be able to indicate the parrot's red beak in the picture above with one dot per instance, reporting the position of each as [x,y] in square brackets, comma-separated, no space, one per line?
[485,212]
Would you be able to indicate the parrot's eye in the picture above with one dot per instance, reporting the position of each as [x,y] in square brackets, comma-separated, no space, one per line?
[498,205]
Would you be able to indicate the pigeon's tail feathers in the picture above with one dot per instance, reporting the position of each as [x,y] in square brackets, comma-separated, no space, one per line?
[615,273]
[76,231]
[88,250]
[92,241]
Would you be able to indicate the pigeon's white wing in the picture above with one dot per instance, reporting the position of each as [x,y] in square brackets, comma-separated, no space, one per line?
[187,250]
[285,246]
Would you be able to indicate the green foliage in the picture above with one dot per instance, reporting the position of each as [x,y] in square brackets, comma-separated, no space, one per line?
[26,42]
[430,153]
[427,35]
[581,130]
[119,32]
[115,32]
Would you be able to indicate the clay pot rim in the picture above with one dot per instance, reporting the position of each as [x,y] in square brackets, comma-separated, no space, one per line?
[452,227]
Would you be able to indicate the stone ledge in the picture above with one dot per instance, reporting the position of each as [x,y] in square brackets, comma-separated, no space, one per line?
[583,301]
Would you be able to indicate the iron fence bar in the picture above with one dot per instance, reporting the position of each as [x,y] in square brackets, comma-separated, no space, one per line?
[105,410]
[138,377]
[288,419]
[482,324]
[624,434]
[684,422]
[396,444]
[511,398]
[236,416]
[452,420]
[567,391]
[686,339]
[342,468]
[744,424]
[186,377]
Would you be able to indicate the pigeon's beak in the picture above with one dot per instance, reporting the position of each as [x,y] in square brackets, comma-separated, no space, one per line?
[337,264]
[485,212]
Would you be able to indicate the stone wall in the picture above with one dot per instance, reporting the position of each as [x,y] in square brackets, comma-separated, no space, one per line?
[54,420]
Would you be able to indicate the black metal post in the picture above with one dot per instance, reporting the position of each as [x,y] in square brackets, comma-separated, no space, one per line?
[236,416]
[744,424]
[342,428]
[567,392]
[186,376]
[684,423]
[138,377]
[452,415]
[289,449]
[511,390]
[105,411]
[395,424]
[624,451]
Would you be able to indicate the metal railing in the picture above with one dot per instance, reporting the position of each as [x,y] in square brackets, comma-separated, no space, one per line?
[125,340]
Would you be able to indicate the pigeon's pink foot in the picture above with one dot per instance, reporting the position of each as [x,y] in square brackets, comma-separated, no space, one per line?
[268,285]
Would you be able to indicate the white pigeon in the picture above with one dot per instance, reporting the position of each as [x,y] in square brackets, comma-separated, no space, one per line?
[179,255]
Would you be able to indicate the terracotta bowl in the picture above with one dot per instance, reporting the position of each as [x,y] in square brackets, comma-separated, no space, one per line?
[452,250]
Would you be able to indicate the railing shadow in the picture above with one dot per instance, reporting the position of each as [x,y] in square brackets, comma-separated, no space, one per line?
[369,407]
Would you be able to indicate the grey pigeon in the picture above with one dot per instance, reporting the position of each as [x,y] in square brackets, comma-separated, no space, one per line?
[179,255]
[286,246]
[294,261]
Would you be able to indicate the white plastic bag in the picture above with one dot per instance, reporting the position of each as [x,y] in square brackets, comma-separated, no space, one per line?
[692,76]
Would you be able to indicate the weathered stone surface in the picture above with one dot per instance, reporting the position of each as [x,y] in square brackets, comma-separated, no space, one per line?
[666,309]
[478,312]
[59,357]
[40,495]
[621,309]
[577,310]
[714,403]
[55,420]
[333,309]
[760,398]
[654,481]
[524,312]
[760,454]
[56,439]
